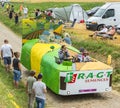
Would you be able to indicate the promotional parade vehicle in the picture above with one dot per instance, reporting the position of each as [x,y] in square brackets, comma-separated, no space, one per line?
[68,77]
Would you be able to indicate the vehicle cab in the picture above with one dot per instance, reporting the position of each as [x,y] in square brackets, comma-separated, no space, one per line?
[108,15]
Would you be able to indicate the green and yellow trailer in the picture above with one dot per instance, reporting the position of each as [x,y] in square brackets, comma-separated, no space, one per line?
[67,78]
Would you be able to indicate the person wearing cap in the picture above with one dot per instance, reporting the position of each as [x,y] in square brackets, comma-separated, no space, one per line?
[39,89]
[83,56]
[86,57]
[80,56]
[6,54]
[29,84]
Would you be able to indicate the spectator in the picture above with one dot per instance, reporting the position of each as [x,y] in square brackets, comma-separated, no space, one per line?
[16,18]
[63,53]
[16,69]
[39,88]
[6,54]
[67,39]
[21,8]
[86,57]
[83,56]
[10,14]
[60,22]
[7,7]
[30,80]
[80,57]
[12,9]
[2,3]
[97,33]
[25,11]
[110,33]
[37,13]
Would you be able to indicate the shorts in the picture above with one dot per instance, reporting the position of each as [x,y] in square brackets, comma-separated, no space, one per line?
[7,60]
[17,75]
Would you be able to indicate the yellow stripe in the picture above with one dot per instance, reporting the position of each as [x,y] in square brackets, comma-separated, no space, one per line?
[37,52]
[14,103]
[11,97]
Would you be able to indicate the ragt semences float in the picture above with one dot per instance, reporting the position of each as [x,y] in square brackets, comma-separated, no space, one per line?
[66,78]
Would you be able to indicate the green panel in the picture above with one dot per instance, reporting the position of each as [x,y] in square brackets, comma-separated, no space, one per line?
[26,53]
[51,70]
[73,49]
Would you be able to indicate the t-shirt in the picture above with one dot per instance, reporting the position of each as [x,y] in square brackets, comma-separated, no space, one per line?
[39,87]
[25,10]
[30,81]
[104,30]
[67,40]
[6,49]
[15,63]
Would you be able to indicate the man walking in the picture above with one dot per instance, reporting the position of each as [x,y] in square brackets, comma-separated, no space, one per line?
[39,89]
[6,54]
[30,80]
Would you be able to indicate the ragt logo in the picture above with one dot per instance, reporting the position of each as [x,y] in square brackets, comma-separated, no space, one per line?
[70,78]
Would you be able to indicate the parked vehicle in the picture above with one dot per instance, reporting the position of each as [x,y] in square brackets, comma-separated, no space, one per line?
[118,28]
[92,11]
[108,14]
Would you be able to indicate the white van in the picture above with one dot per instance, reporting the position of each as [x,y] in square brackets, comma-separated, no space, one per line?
[108,14]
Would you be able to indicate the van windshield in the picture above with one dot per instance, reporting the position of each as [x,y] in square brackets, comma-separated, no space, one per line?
[99,13]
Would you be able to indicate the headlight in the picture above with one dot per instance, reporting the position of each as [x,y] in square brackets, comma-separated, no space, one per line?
[93,22]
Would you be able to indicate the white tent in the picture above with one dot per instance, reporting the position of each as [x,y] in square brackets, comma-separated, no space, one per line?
[70,13]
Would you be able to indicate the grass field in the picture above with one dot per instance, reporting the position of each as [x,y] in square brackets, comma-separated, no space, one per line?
[9,96]
[38,1]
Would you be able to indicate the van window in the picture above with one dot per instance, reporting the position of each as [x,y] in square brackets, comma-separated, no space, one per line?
[109,13]
[99,13]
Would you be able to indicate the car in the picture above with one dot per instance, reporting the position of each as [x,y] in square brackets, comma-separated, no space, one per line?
[92,11]
[118,29]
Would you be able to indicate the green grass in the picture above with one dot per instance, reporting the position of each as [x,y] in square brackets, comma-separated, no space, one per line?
[100,47]
[9,96]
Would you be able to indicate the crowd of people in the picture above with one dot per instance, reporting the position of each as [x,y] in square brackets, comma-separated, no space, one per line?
[105,32]
[35,88]
[64,55]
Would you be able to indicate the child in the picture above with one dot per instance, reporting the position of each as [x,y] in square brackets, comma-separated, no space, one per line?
[16,69]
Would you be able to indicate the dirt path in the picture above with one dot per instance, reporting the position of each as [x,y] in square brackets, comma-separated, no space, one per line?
[103,100]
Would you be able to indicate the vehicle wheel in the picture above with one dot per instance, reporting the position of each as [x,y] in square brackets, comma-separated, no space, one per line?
[99,27]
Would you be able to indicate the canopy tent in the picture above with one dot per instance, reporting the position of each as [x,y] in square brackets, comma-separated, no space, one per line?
[70,13]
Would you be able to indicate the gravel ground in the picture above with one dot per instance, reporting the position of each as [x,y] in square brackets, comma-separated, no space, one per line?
[103,100]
